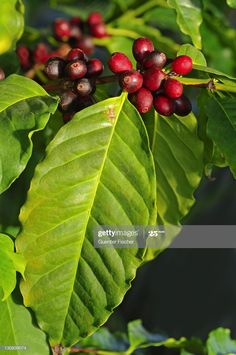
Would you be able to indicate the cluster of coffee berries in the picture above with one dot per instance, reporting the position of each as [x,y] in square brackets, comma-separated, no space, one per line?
[79,33]
[28,58]
[152,83]
[78,76]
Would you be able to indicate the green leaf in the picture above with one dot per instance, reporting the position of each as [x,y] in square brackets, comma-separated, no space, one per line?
[219,342]
[98,171]
[17,329]
[11,23]
[25,108]
[178,156]
[189,18]
[212,71]
[10,263]
[231,3]
[194,53]
[221,126]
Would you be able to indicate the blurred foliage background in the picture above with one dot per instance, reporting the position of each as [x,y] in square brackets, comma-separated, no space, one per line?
[182,292]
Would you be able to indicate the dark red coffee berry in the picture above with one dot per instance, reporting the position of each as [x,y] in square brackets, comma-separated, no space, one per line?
[152,78]
[62,29]
[40,53]
[86,44]
[67,100]
[84,87]
[154,58]
[119,63]
[94,68]
[164,105]
[182,65]
[173,88]
[131,81]
[183,106]
[2,74]
[95,18]
[76,21]
[75,32]
[76,69]
[141,47]
[24,56]
[76,54]
[143,100]
[54,68]
[99,30]
[67,116]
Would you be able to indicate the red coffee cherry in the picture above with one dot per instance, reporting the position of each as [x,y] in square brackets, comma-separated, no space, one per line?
[24,56]
[183,106]
[99,30]
[94,68]
[143,100]
[119,63]
[141,47]
[152,78]
[62,29]
[164,105]
[54,68]
[76,21]
[41,53]
[85,87]
[154,58]
[76,69]
[67,100]
[131,81]
[173,88]
[76,54]
[86,44]
[95,18]
[182,65]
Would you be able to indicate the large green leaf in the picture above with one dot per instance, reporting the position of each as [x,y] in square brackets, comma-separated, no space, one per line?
[11,23]
[25,107]
[189,18]
[10,262]
[221,126]
[98,171]
[178,156]
[219,342]
[16,329]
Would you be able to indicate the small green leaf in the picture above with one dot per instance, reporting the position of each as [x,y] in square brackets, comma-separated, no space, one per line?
[196,55]
[189,18]
[219,342]
[10,263]
[25,108]
[17,329]
[221,126]
[11,23]
[98,171]
[212,71]
[231,3]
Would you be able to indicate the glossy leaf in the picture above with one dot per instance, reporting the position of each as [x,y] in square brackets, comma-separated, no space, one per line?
[189,18]
[17,329]
[220,342]
[196,55]
[10,263]
[98,171]
[178,156]
[231,3]
[25,107]
[221,126]
[11,23]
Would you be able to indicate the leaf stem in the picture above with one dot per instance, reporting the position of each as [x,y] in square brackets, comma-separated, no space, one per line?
[77,350]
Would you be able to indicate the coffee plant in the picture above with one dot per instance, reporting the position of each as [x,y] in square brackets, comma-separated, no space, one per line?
[109,116]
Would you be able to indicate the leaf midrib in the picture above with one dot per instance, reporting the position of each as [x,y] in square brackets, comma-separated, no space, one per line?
[122,98]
